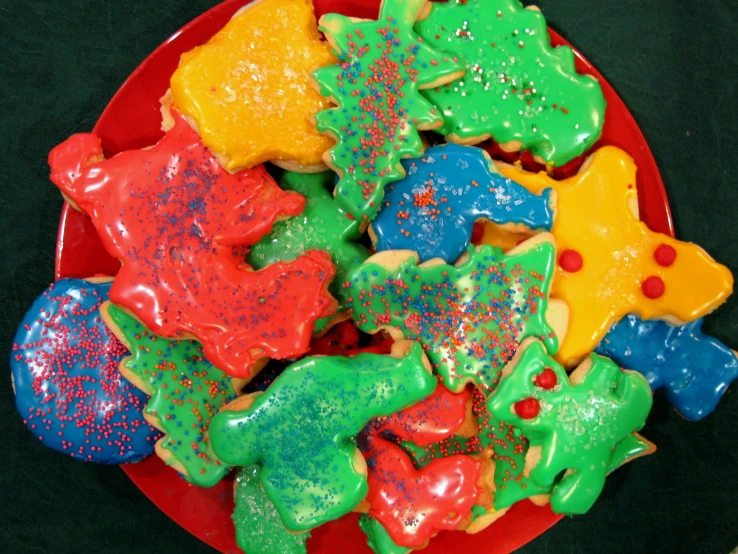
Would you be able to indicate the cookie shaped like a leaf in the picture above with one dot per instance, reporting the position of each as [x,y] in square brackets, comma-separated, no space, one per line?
[382,66]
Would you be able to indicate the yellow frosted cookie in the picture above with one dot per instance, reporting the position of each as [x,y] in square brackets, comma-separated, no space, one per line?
[610,264]
[248,92]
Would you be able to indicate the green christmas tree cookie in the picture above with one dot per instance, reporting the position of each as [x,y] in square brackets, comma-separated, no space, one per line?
[302,429]
[470,318]
[321,226]
[583,424]
[517,89]
[186,392]
[382,66]
[259,529]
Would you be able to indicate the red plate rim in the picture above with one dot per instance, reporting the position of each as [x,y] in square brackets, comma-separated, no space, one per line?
[200,511]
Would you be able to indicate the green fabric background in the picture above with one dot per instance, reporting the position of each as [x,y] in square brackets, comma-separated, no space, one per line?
[675,63]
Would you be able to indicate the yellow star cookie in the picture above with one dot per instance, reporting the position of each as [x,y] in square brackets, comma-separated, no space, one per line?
[610,264]
[248,90]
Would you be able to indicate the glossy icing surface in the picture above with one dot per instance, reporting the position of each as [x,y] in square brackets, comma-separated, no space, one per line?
[382,65]
[517,88]
[321,226]
[68,389]
[186,391]
[276,44]
[302,430]
[433,209]
[611,267]
[259,529]
[584,425]
[502,443]
[173,216]
[693,369]
[470,318]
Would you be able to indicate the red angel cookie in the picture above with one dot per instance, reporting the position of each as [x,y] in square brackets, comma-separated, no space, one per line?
[173,216]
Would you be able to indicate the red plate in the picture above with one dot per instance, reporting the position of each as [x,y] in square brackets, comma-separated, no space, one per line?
[131,120]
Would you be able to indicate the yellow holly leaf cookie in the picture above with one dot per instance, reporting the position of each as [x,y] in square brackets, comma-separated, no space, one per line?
[610,264]
[248,90]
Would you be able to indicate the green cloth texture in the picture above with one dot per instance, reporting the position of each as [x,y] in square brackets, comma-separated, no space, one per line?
[673,63]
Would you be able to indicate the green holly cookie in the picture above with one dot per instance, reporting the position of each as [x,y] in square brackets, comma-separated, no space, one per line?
[470,318]
[302,429]
[382,66]
[186,392]
[583,424]
[517,88]
[321,226]
[259,529]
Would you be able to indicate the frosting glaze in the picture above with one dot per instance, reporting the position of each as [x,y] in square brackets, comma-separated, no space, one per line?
[470,318]
[433,209]
[173,216]
[276,44]
[498,441]
[302,430]
[186,391]
[692,369]
[321,226]
[259,529]
[382,66]
[377,537]
[412,505]
[68,390]
[610,264]
[517,88]
[583,424]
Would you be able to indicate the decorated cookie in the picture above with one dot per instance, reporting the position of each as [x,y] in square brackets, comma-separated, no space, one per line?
[377,537]
[259,529]
[382,66]
[502,443]
[68,390]
[248,90]
[186,391]
[517,89]
[412,505]
[610,264]
[470,317]
[583,424]
[173,216]
[302,429]
[322,226]
[434,208]
[693,369]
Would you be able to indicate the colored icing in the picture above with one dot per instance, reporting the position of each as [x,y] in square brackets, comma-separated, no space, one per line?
[322,226]
[174,216]
[377,537]
[414,505]
[68,389]
[498,441]
[586,424]
[433,209]
[382,65]
[693,369]
[517,88]
[302,429]
[186,392]
[620,271]
[259,529]
[276,44]
[470,318]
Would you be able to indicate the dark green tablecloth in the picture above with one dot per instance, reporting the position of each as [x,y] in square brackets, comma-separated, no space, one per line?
[675,63]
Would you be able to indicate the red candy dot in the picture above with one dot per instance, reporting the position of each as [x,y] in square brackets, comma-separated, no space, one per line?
[546,379]
[653,287]
[664,255]
[528,408]
[571,261]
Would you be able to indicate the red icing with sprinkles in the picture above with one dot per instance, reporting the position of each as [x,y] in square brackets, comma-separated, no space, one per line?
[69,391]
[174,217]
